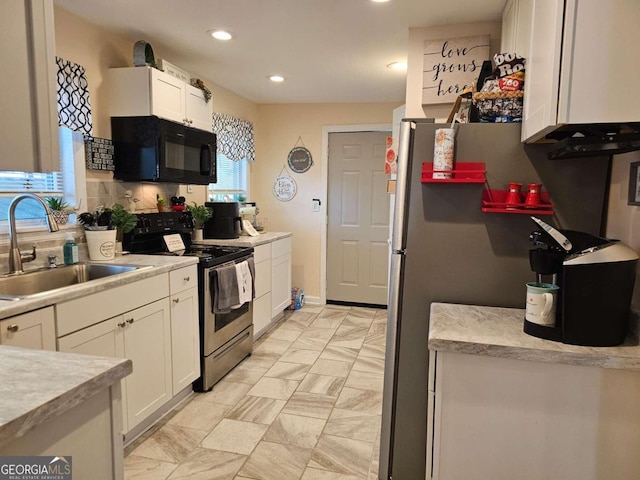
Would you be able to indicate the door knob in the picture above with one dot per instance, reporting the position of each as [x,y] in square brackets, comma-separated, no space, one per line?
[13,328]
[121,324]
[176,300]
[129,320]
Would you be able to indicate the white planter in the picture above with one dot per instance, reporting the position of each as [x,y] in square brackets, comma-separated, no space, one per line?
[101,244]
[197,234]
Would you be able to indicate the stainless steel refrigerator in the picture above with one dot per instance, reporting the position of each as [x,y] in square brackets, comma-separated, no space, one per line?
[445,249]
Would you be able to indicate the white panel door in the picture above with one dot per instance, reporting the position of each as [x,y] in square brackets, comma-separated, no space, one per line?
[185,339]
[358,223]
[199,113]
[168,96]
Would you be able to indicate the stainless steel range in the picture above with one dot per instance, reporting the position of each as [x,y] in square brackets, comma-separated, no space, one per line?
[225,338]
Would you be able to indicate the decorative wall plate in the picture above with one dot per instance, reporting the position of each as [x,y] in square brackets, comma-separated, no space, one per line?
[299,159]
[284,188]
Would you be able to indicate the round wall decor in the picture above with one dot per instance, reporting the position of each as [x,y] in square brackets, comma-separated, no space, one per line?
[284,188]
[299,159]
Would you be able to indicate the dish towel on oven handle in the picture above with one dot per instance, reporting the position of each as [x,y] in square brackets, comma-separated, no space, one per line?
[246,274]
[223,288]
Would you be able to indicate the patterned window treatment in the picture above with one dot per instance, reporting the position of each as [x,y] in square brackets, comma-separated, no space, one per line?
[235,137]
[74,108]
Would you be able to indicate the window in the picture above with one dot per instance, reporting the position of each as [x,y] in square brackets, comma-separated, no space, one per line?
[232,180]
[68,183]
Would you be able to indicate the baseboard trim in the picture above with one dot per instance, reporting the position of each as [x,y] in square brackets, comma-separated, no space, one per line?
[356,304]
[312,300]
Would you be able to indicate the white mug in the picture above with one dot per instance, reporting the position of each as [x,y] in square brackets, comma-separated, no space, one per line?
[542,299]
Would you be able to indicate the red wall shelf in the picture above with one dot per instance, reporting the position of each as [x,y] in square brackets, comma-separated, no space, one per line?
[494,201]
[469,172]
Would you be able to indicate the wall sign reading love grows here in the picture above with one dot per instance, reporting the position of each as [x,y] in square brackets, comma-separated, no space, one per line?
[450,66]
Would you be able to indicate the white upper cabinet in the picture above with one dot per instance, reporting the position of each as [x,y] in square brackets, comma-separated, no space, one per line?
[29,120]
[141,91]
[580,60]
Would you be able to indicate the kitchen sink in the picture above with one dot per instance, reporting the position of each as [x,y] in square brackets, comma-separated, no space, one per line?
[37,282]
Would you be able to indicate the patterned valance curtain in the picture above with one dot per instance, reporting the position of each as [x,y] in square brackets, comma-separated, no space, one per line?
[235,137]
[74,108]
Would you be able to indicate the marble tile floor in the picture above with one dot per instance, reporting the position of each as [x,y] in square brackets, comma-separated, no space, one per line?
[305,406]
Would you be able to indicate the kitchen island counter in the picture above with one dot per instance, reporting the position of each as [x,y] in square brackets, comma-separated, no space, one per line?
[498,332]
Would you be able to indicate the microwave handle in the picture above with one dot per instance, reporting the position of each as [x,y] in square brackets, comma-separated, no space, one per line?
[206,160]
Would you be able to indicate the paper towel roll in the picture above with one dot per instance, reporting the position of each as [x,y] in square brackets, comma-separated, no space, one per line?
[443,152]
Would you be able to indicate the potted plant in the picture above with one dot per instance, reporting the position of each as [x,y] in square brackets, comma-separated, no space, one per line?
[116,219]
[59,208]
[200,214]
[161,203]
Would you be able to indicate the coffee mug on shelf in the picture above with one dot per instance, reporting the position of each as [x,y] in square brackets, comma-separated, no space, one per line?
[542,299]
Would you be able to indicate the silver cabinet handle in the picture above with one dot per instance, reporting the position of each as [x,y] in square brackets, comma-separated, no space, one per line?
[13,328]
[121,324]
[176,300]
[186,279]
[129,321]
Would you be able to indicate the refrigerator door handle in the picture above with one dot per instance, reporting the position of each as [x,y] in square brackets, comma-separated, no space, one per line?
[399,225]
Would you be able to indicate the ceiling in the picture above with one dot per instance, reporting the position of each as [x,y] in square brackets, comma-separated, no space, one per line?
[328,50]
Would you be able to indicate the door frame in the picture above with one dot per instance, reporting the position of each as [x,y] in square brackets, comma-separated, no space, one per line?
[326,130]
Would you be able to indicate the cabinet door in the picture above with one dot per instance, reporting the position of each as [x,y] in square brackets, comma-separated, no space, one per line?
[280,284]
[263,277]
[30,330]
[146,341]
[185,339]
[543,70]
[167,96]
[199,112]
[29,120]
[261,315]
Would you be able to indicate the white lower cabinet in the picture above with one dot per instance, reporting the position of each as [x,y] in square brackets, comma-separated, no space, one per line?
[501,418]
[142,335]
[185,339]
[30,330]
[280,276]
[262,301]
[145,337]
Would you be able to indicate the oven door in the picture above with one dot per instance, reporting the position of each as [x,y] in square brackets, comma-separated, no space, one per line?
[219,328]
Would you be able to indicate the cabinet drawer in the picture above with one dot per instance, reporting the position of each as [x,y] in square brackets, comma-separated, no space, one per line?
[261,315]
[183,279]
[99,339]
[263,277]
[30,330]
[281,247]
[83,312]
[261,252]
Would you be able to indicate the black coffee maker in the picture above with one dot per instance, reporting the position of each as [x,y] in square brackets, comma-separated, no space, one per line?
[596,278]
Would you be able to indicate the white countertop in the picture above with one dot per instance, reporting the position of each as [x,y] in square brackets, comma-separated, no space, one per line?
[160,263]
[498,332]
[246,241]
[38,385]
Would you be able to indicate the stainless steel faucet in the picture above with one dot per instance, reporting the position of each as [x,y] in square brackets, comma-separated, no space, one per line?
[15,257]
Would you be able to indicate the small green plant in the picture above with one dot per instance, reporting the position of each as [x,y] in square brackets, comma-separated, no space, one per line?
[200,214]
[57,204]
[160,199]
[123,220]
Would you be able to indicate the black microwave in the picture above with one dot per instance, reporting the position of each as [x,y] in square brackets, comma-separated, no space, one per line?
[157,150]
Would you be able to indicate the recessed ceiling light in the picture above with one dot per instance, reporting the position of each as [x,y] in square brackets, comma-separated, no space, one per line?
[276,78]
[221,34]
[397,66]
[380,1]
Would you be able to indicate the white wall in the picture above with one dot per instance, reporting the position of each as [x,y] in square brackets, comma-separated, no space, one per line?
[623,222]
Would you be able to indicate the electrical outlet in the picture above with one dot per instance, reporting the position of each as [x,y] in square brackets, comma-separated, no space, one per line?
[315,205]
[189,188]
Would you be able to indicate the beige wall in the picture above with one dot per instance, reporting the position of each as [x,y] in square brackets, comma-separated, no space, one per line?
[97,50]
[417,36]
[278,130]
